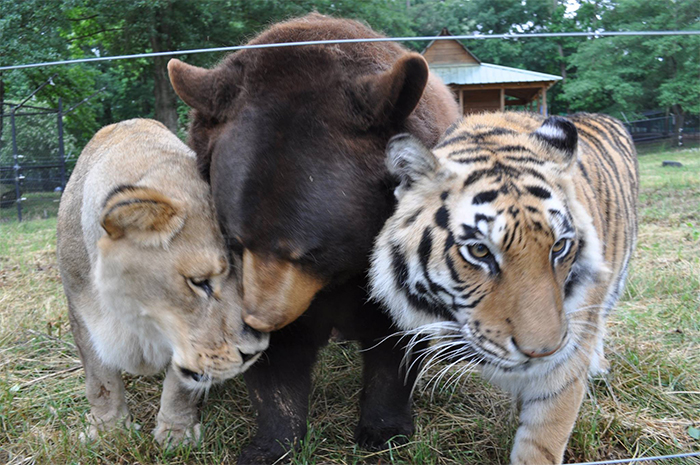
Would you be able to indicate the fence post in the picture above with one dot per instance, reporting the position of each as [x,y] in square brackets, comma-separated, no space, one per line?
[15,155]
[61,153]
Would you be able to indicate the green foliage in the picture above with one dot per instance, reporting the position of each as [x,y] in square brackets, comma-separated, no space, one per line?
[633,74]
[614,75]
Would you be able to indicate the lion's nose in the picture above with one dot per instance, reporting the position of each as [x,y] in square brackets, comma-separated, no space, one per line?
[247,357]
[252,331]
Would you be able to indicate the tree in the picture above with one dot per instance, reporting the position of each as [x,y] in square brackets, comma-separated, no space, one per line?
[632,74]
[35,31]
[116,28]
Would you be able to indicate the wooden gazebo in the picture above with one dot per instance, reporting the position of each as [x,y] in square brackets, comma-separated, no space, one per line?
[484,86]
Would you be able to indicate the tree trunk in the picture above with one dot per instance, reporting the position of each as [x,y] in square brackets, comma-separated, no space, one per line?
[165,98]
[2,108]
[562,63]
[679,117]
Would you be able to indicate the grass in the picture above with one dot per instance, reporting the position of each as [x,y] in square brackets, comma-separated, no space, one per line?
[644,407]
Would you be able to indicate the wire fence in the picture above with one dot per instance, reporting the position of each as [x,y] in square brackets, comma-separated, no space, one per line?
[687,458]
[34,167]
[591,34]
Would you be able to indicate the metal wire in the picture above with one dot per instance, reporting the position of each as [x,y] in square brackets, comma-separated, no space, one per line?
[641,459]
[354,41]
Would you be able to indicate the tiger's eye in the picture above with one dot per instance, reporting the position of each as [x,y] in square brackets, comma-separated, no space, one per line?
[479,250]
[559,246]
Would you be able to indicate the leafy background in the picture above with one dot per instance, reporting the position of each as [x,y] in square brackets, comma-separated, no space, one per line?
[622,76]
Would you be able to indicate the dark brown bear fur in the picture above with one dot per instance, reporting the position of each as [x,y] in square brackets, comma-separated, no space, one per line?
[292,140]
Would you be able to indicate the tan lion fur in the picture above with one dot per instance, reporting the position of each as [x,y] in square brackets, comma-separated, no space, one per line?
[145,270]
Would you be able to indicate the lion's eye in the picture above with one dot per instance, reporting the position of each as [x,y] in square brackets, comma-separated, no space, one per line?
[203,284]
[559,247]
[479,251]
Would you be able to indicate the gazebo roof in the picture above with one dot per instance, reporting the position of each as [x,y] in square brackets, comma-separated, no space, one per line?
[456,64]
[487,73]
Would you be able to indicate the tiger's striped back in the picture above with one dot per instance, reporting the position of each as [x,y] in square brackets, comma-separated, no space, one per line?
[512,240]
[608,167]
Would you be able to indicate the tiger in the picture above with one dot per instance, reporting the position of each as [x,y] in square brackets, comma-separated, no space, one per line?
[509,246]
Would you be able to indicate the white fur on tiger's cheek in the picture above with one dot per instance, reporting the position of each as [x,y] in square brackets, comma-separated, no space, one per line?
[385,290]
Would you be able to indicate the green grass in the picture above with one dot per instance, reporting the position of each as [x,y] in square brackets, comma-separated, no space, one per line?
[644,407]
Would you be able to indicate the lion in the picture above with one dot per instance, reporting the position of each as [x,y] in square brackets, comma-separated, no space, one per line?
[147,277]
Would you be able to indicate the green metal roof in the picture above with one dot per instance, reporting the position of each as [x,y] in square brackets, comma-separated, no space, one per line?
[487,73]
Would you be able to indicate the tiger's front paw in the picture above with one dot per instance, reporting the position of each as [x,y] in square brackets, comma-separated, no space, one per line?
[170,435]
[532,452]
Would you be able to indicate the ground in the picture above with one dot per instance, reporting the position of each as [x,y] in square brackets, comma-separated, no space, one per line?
[648,405]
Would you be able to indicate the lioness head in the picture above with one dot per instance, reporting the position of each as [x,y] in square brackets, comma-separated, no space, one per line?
[167,257]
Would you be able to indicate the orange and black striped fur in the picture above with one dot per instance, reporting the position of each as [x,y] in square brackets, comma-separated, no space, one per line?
[509,246]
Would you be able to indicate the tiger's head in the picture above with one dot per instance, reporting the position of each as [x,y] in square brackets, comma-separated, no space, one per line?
[489,242]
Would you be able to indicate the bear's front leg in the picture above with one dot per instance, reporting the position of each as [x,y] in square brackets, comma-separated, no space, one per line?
[385,404]
[279,385]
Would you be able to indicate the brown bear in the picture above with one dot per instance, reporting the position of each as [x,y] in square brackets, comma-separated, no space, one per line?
[292,140]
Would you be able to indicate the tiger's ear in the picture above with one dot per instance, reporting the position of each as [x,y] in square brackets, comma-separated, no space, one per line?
[561,135]
[143,215]
[409,160]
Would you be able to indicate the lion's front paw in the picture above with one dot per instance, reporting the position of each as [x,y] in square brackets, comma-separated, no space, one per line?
[119,417]
[170,435]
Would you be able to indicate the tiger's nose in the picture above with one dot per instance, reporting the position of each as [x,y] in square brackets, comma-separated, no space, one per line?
[537,352]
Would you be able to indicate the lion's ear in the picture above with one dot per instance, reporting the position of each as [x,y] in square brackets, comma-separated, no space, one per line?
[143,215]
[206,90]
[391,96]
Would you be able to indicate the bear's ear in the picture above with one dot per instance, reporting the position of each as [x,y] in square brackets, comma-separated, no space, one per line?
[206,90]
[559,136]
[143,215]
[409,160]
[392,95]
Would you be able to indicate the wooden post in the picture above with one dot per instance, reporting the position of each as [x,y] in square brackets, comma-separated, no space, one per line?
[544,101]
[461,101]
[503,98]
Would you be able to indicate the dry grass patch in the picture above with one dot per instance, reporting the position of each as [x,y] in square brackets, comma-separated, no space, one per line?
[644,407]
